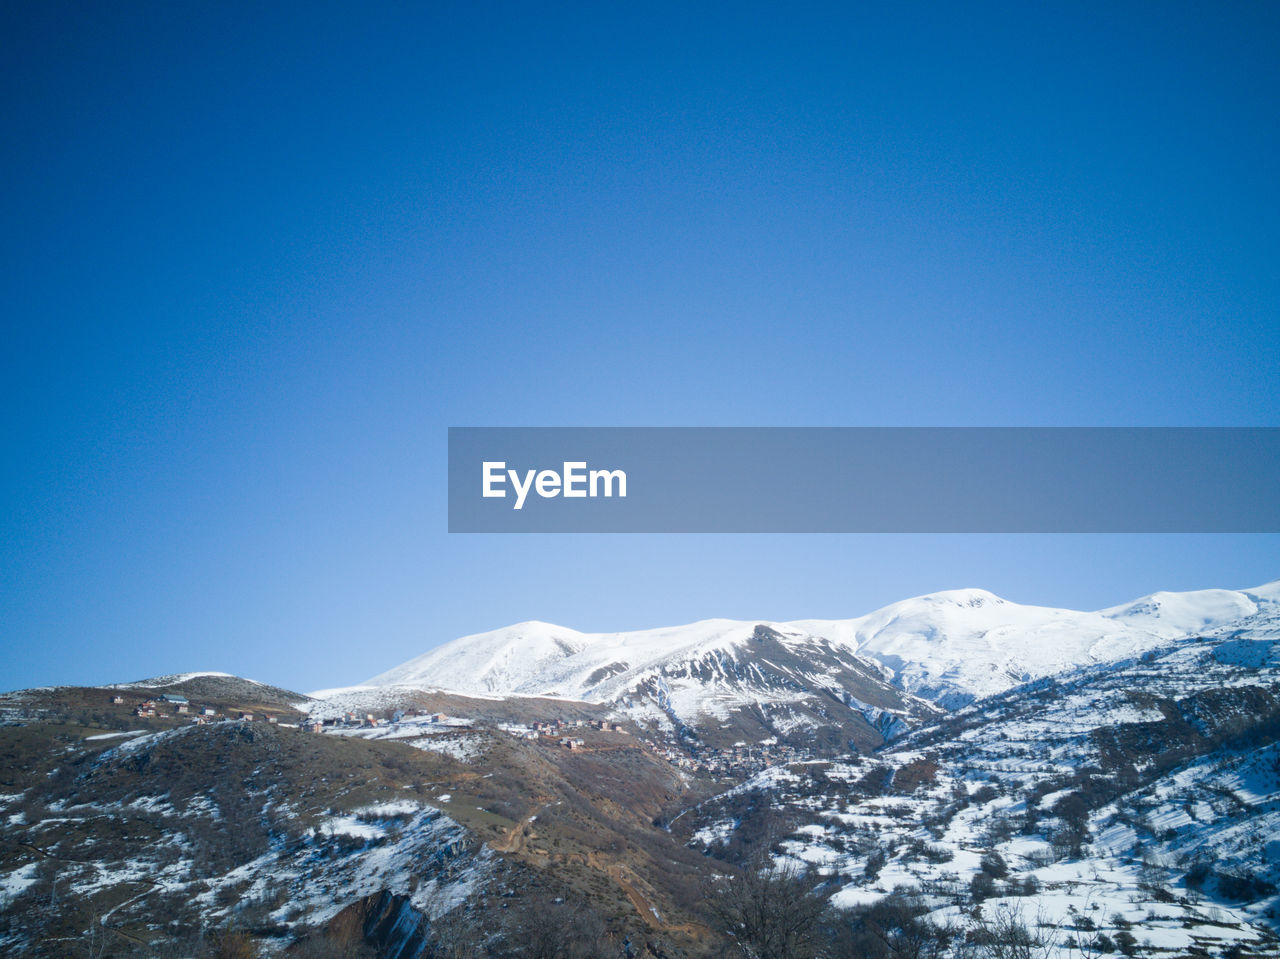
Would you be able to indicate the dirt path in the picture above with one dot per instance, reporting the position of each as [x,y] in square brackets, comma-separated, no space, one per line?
[516,842]
[516,839]
[648,912]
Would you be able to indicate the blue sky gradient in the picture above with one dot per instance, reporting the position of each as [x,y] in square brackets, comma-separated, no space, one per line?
[256,263]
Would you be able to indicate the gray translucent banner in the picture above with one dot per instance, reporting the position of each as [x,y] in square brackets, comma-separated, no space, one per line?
[864,480]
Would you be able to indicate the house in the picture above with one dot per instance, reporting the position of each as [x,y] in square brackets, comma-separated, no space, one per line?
[181,709]
[175,699]
[117,699]
[208,711]
[247,717]
[272,720]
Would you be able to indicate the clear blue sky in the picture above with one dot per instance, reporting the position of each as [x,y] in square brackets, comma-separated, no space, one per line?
[256,263]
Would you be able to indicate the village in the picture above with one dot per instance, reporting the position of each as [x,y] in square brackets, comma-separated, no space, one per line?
[560,732]
[737,761]
[173,706]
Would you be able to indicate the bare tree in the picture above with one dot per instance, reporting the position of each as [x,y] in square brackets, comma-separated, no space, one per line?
[1082,934]
[95,939]
[457,934]
[1004,934]
[1072,811]
[769,912]
[538,928]
[898,927]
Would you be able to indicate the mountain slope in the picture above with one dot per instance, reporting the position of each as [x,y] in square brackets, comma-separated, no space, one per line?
[154,840]
[1140,795]
[711,685]
[1130,788]
[949,647]
[227,695]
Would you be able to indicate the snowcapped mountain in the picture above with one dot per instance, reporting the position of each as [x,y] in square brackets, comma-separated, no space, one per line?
[718,682]
[1144,794]
[1132,788]
[1178,614]
[956,646]
[949,647]
[542,659]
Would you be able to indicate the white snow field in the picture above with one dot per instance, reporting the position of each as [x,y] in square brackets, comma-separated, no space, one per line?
[949,647]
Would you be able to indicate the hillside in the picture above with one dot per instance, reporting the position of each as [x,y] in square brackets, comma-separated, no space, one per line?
[724,684]
[1117,791]
[279,832]
[1140,797]
[97,706]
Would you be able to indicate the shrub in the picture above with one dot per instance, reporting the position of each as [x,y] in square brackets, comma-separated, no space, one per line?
[993,864]
[1126,943]
[982,886]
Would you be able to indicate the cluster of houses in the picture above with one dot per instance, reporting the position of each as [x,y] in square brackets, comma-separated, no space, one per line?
[556,727]
[369,720]
[171,705]
[740,760]
[561,732]
[737,761]
[605,726]
[557,730]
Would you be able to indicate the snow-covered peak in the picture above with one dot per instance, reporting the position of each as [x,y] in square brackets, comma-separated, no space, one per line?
[1267,593]
[950,646]
[1176,614]
[498,660]
[962,644]
[971,598]
[536,658]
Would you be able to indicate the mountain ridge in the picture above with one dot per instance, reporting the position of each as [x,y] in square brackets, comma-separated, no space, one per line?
[949,647]
[1140,793]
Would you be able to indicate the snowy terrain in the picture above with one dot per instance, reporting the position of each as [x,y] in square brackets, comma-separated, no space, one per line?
[208,825]
[1109,777]
[949,647]
[1141,797]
